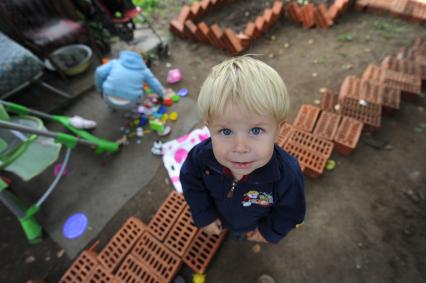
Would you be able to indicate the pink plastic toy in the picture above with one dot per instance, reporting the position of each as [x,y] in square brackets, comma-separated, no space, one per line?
[174,76]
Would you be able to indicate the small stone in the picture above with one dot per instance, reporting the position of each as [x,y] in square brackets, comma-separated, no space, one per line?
[358,266]
[168,65]
[337,107]
[30,259]
[388,147]
[362,102]
[247,13]
[317,101]
[271,55]
[315,61]
[420,108]
[310,41]
[315,75]
[286,45]
[273,37]
[60,253]
[47,258]
[360,245]
[89,228]
[256,248]
[166,180]
[367,50]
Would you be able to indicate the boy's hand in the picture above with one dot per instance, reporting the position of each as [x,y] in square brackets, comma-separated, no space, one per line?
[214,228]
[255,236]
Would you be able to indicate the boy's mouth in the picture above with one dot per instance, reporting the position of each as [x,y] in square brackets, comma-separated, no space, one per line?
[242,165]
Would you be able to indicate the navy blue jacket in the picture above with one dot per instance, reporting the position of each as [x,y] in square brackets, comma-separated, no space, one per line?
[271,198]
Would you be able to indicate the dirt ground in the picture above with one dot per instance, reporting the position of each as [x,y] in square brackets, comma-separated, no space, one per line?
[365,220]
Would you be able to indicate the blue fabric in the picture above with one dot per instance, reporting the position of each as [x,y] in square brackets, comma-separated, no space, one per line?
[205,187]
[17,64]
[125,77]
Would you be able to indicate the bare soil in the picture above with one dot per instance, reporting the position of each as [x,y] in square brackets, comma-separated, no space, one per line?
[365,220]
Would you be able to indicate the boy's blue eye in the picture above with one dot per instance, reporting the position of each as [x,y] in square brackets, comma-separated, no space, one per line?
[256,131]
[225,132]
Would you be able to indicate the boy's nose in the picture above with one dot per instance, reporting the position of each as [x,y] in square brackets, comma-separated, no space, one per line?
[240,144]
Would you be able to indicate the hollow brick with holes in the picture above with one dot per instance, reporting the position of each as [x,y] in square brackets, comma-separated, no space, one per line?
[327,125]
[368,113]
[101,275]
[81,269]
[284,133]
[184,15]
[177,28]
[166,215]
[277,10]
[268,16]
[190,30]
[311,151]
[157,257]
[306,117]
[403,66]
[328,100]
[202,250]
[347,136]
[121,243]
[182,233]
[133,270]
[204,30]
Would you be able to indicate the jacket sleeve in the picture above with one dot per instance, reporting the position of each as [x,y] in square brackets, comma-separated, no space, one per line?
[287,212]
[196,195]
[153,83]
[102,73]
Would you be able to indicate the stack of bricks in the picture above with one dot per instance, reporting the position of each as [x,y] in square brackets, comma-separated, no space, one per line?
[310,15]
[149,253]
[189,25]
[340,119]
[412,10]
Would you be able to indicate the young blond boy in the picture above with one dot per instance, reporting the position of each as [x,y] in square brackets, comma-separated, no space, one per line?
[239,179]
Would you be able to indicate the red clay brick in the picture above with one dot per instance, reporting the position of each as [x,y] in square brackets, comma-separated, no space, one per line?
[260,24]
[328,100]
[307,13]
[347,136]
[232,42]
[244,40]
[294,12]
[190,30]
[250,29]
[101,275]
[216,35]
[285,132]
[180,236]
[204,32]
[312,152]
[166,215]
[268,17]
[81,269]
[133,270]
[321,17]
[177,28]
[157,257]
[306,117]
[370,114]
[184,14]
[277,10]
[327,125]
[202,250]
[121,243]
[371,92]
[402,66]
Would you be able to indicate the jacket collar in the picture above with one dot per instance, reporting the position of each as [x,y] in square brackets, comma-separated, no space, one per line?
[266,174]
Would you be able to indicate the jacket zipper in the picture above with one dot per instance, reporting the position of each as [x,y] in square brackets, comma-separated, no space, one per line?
[232,190]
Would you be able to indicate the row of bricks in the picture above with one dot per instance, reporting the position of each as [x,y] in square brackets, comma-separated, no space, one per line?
[310,15]
[153,253]
[413,10]
[226,39]
[344,128]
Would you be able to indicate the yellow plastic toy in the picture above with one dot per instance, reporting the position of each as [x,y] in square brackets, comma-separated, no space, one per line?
[173,116]
[198,278]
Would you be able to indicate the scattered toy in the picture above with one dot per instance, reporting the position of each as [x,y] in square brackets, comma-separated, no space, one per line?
[330,165]
[81,123]
[157,148]
[174,76]
[183,92]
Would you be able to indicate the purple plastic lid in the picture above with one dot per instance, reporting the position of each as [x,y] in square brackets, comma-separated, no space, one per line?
[183,92]
[75,225]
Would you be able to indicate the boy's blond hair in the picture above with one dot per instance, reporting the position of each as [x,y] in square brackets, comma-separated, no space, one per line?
[246,81]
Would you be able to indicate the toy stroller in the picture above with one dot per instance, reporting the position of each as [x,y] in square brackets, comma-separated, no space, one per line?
[27,149]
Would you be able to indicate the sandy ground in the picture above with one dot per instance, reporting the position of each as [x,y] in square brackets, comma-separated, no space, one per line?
[365,220]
